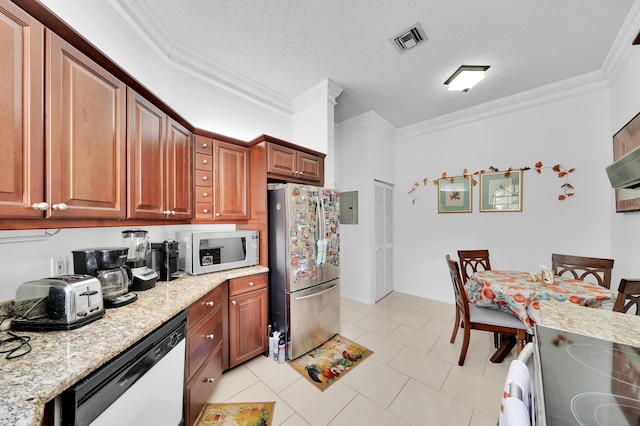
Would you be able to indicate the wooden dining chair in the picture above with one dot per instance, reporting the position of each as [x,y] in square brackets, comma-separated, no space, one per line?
[473,318]
[628,296]
[583,268]
[473,261]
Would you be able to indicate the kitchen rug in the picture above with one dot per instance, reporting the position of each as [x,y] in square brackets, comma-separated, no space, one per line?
[238,414]
[330,361]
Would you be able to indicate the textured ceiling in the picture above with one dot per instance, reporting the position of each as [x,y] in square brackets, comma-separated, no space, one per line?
[279,49]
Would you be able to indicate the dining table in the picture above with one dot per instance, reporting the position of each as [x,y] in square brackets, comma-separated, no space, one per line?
[520,293]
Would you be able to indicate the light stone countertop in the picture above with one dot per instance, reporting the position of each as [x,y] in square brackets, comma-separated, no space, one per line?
[607,325]
[59,359]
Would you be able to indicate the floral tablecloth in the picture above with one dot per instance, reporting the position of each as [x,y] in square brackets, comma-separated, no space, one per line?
[515,292]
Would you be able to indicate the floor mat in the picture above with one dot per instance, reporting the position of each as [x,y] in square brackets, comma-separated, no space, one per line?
[330,361]
[238,414]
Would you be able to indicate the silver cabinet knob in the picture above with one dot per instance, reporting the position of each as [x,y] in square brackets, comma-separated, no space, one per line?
[233,302]
[59,206]
[205,161]
[206,194]
[210,380]
[205,145]
[251,284]
[40,206]
[210,336]
[205,211]
[205,177]
[173,212]
[167,212]
[209,303]
[217,214]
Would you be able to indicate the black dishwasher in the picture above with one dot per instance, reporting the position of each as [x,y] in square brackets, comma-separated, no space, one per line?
[142,385]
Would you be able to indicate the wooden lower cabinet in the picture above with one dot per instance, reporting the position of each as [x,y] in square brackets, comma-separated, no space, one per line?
[201,385]
[204,350]
[248,318]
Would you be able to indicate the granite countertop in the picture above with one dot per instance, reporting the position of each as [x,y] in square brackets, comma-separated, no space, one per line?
[59,359]
[602,324]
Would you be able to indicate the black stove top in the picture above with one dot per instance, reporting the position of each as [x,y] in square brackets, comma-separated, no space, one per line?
[588,381]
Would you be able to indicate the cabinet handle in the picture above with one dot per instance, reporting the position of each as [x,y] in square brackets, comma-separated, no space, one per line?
[59,206]
[205,145]
[40,206]
[173,212]
[205,177]
[205,161]
[205,211]
[210,336]
[209,303]
[233,302]
[206,194]
[210,380]
[217,214]
[251,284]
[169,212]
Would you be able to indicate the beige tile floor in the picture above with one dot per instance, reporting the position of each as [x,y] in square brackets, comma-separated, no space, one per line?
[413,377]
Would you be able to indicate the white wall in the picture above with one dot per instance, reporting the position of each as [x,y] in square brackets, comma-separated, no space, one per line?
[573,131]
[366,152]
[625,227]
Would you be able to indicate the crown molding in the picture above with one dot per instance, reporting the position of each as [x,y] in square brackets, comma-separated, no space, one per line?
[142,21]
[622,47]
[326,91]
[368,120]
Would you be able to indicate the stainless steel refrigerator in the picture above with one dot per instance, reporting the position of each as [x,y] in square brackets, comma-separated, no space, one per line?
[304,264]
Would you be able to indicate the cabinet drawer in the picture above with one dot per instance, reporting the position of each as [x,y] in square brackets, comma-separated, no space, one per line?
[201,385]
[204,178]
[248,283]
[207,304]
[204,162]
[204,210]
[204,145]
[202,339]
[204,194]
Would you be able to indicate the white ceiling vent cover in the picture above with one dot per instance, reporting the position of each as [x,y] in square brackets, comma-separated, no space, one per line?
[409,38]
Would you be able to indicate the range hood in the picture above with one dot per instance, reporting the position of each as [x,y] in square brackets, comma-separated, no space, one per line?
[625,172]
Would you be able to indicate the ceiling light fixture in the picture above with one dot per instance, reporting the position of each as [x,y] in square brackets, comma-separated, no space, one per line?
[466,77]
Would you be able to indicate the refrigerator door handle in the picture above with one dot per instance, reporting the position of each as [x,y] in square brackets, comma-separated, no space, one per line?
[316,294]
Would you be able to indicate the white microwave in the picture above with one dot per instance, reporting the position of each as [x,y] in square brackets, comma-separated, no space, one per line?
[204,252]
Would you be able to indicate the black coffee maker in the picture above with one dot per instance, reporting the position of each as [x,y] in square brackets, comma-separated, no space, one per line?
[164,259]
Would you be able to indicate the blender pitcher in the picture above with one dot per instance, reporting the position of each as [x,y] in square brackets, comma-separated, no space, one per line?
[139,244]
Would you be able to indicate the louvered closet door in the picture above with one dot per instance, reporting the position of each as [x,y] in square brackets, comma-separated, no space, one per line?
[384,239]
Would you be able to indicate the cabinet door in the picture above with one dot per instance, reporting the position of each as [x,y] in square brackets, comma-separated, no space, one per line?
[231,187]
[310,167]
[146,158]
[21,113]
[247,326]
[179,182]
[86,144]
[281,160]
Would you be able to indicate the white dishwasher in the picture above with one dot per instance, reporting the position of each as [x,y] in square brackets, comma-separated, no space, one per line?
[143,385]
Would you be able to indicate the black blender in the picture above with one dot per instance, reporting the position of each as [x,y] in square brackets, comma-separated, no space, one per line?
[109,266]
[137,240]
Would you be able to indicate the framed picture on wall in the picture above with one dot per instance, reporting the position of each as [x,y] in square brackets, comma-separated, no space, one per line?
[454,195]
[626,140]
[500,192]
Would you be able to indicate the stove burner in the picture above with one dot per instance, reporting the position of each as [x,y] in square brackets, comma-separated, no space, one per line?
[598,408]
[599,359]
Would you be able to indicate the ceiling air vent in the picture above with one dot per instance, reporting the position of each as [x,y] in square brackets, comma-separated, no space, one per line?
[411,37]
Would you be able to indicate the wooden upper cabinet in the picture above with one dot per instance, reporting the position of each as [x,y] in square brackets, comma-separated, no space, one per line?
[221,180]
[85,135]
[179,164]
[146,131]
[294,165]
[21,113]
[159,163]
[231,189]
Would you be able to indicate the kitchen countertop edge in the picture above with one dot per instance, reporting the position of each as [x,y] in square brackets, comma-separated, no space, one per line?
[60,359]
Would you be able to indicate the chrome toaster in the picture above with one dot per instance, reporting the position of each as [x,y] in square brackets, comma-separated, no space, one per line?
[64,302]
